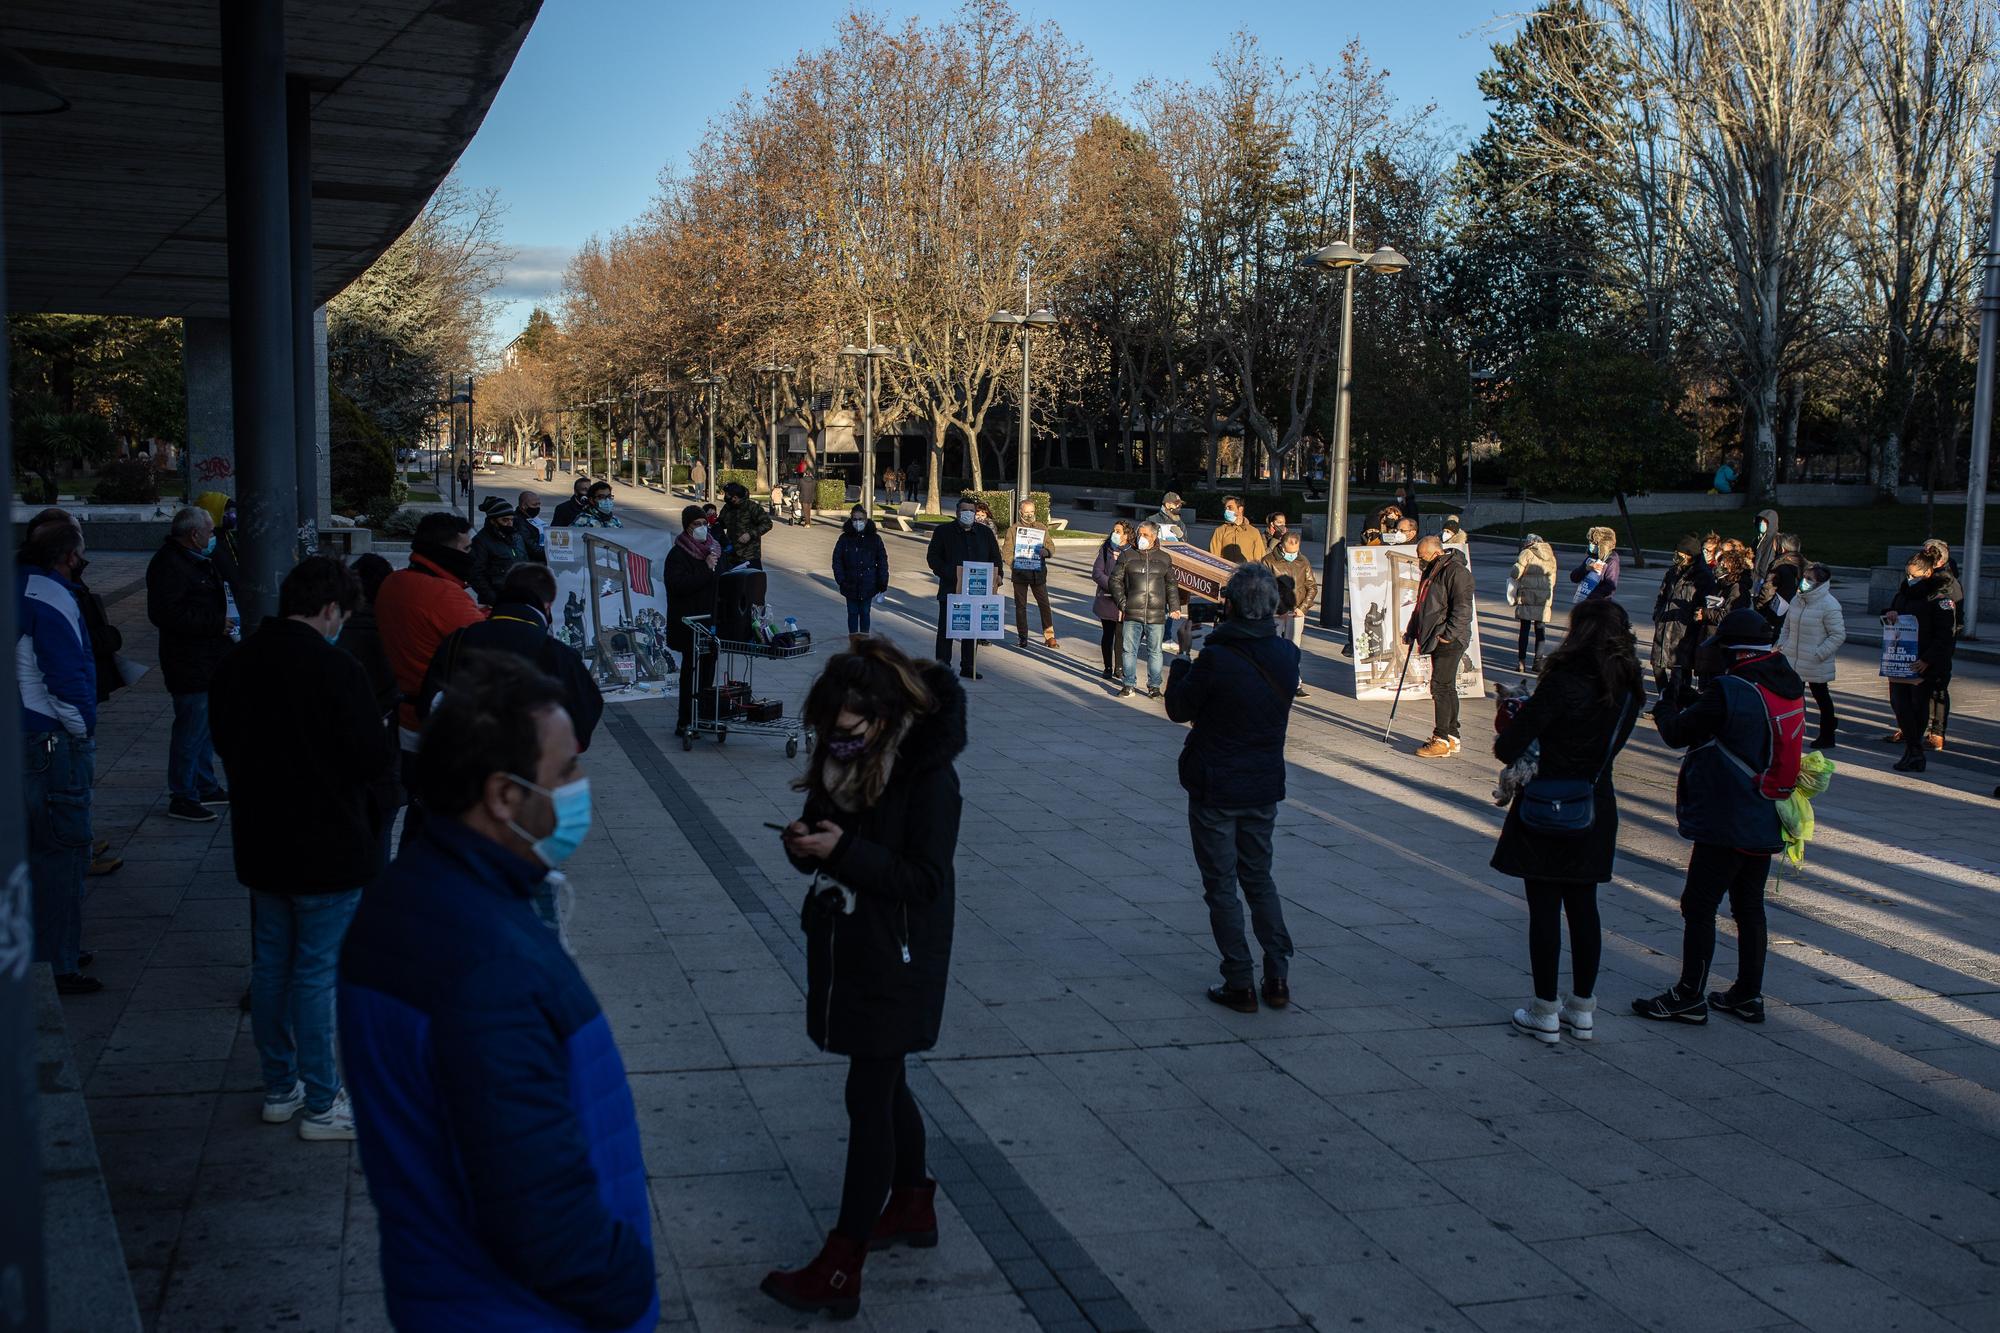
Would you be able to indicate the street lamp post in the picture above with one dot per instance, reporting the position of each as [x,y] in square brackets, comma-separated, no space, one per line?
[707,384]
[1037,321]
[869,352]
[778,372]
[1342,257]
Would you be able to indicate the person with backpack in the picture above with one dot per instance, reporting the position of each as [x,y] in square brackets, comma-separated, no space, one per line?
[1744,735]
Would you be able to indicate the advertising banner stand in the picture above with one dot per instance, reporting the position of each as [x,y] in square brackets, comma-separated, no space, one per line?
[1382,584]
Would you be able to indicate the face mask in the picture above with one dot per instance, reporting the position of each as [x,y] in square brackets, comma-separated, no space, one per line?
[1291,555]
[857,523]
[1145,543]
[847,746]
[1229,515]
[1805,585]
[228,520]
[965,518]
[335,636]
[699,532]
[605,505]
[1117,540]
[531,513]
[572,807]
[209,549]
[1914,580]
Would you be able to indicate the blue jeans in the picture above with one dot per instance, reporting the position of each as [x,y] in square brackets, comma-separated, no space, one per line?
[1135,633]
[56,774]
[857,614]
[294,952]
[1232,847]
[191,755]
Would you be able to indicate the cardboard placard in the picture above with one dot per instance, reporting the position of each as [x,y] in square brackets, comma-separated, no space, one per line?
[1899,647]
[975,617]
[1028,544]
[975,579]
[1197,572]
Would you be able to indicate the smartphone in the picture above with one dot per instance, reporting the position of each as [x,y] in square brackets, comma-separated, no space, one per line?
[779,827]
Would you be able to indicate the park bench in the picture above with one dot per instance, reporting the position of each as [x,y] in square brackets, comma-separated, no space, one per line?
[1090,497]
[899,518]
[1135,509]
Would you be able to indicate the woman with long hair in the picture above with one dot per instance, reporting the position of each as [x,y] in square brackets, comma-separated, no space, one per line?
[1583,710]
[878,835]
[1108,615]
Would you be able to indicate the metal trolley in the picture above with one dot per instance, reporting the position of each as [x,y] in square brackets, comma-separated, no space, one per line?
[706,642]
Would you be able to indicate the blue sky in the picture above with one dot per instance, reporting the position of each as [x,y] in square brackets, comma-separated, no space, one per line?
[605,93]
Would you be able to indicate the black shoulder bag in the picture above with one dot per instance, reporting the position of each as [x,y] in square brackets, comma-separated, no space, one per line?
[1567,807]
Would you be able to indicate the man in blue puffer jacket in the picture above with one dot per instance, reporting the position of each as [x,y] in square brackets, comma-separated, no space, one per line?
[1734,827]
[497,1131]
[1238,694]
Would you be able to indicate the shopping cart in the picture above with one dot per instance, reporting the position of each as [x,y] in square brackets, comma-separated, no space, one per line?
[709,715]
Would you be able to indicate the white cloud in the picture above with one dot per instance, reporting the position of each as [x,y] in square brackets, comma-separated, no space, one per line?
[536,272]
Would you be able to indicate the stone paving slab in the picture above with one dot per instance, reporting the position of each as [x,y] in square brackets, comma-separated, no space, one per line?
[1114,1152]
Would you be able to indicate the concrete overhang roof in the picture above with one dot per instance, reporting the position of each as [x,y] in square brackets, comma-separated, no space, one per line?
[116,205]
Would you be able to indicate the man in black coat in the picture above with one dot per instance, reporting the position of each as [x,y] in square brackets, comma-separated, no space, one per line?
[496,548]
[185,602]
[526,510]
[1440,628]
[302,734]
[689,573]
[579,500]
[520,625]
[1144,590]
[953,545]
[1238,696]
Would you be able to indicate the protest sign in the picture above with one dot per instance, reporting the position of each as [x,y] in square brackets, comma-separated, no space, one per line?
[975,579]
[611,604]
[1198,573]
[1899,647]
[1028,544]
[1382,584]
[974,617]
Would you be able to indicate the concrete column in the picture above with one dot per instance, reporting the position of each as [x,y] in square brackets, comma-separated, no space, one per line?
[211,413]
[261,331]
[305,393]
[23,1286]
[322,423]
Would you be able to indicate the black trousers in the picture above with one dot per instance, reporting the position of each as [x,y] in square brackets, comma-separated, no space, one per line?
[1108,645]
[413,813]
[1444,688]
[1715,873]
[885,1142]
[1038,584]
[1541,630]
[965,646]
[1940,704]
[1912,704]
[1549,901]
[1822,694]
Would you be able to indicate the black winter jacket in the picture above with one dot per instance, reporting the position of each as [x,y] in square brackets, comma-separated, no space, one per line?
[523,631]
[743,525]
[690,592]
[953,545]
[1580,733]
[362,640]
[1936,612]
[1715,800]
[105,639]
[1444,604]
[299,728]
[1675,612]
[860,562]
[1142,586]
[493,554]
[184,601]
[566,512]
[1238,695]
[876,974]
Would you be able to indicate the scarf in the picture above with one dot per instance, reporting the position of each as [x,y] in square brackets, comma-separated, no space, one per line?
[707,551]
[858,785]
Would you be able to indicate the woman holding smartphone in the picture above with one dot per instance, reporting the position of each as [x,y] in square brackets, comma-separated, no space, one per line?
[878,836]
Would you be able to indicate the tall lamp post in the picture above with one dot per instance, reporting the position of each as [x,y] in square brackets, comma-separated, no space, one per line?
[708,384]
[868,352]
[778,372]
[1038,321]
[1343,258]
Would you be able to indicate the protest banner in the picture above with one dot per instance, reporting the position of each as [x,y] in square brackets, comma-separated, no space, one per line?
[1382,584]
[611,600]
[975,579]
[1198,573]
[1028,544]
[1899,647]
[974,617]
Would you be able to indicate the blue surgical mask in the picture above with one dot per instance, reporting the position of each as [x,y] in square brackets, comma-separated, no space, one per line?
[572,807]
[965,518]
[208,550]
[1229,515]
[605,505]
[1291,555]
[335,636]
[1805,585]
[1117,539]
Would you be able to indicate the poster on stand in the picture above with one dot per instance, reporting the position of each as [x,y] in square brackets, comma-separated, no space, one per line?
[975,618]
[1382,584]
[611,606]
[975,579]
[1899,647]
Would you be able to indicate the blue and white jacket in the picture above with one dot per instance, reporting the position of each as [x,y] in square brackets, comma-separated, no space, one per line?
[496,1127]
[52,658]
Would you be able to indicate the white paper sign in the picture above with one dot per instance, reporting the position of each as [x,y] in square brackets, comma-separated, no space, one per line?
[974,618]
[1899,647]
[976,579]
[1028,543]
[1382,586]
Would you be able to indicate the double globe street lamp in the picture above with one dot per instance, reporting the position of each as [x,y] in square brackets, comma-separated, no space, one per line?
[868,352]
[1039,321]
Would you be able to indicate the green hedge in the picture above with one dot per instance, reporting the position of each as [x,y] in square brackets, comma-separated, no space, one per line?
[1002,505]
[677,475]
[127,481]
[725,475]
[829,494]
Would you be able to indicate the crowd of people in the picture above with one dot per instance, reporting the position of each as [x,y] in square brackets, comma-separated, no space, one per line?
[480,1067]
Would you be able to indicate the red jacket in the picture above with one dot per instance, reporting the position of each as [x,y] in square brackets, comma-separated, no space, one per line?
[415,609]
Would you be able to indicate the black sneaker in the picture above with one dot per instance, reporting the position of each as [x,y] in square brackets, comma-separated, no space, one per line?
[971,675]
[1750,1010]
[1243,999]
[75,983]
[86,958]
[215,796]
[194,812]
[1152,691]
[1125,691]
[1673,1006]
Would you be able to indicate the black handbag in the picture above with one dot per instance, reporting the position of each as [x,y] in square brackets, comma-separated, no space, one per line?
[1566,807]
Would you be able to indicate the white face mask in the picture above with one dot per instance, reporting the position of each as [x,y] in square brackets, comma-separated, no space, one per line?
[699,532]
[857,523]
[1145,543]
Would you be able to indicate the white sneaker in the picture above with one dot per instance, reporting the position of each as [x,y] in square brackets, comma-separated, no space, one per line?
[334,1124]
[1539,1021]
[278,1110]
[1579,1016]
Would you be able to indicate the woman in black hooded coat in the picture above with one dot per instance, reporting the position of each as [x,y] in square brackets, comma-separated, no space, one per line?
[879,834]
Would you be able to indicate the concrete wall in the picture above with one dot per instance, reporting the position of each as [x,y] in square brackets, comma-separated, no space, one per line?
[211,411]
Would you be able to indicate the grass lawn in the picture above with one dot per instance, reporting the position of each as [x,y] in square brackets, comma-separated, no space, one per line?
[1837,536]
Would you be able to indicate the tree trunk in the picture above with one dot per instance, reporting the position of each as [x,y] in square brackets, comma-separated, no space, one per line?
[1631,534]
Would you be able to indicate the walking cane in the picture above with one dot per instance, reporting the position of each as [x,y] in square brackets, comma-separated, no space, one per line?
[1390,725]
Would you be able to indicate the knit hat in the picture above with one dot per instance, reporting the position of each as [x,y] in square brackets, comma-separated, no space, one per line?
[1744,629]
[494,506]
[1532,539]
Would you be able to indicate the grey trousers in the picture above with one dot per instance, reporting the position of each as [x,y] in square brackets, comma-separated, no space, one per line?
[1232,848]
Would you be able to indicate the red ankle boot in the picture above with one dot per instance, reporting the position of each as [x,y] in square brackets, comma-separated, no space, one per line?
[910,1219]
[831,1282]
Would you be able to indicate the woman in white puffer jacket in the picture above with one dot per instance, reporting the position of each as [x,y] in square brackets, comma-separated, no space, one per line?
[1810,638]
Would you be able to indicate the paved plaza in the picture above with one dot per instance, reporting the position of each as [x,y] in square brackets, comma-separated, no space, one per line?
[1115,1152]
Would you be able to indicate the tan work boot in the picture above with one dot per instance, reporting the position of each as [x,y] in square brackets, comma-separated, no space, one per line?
[1436,748]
